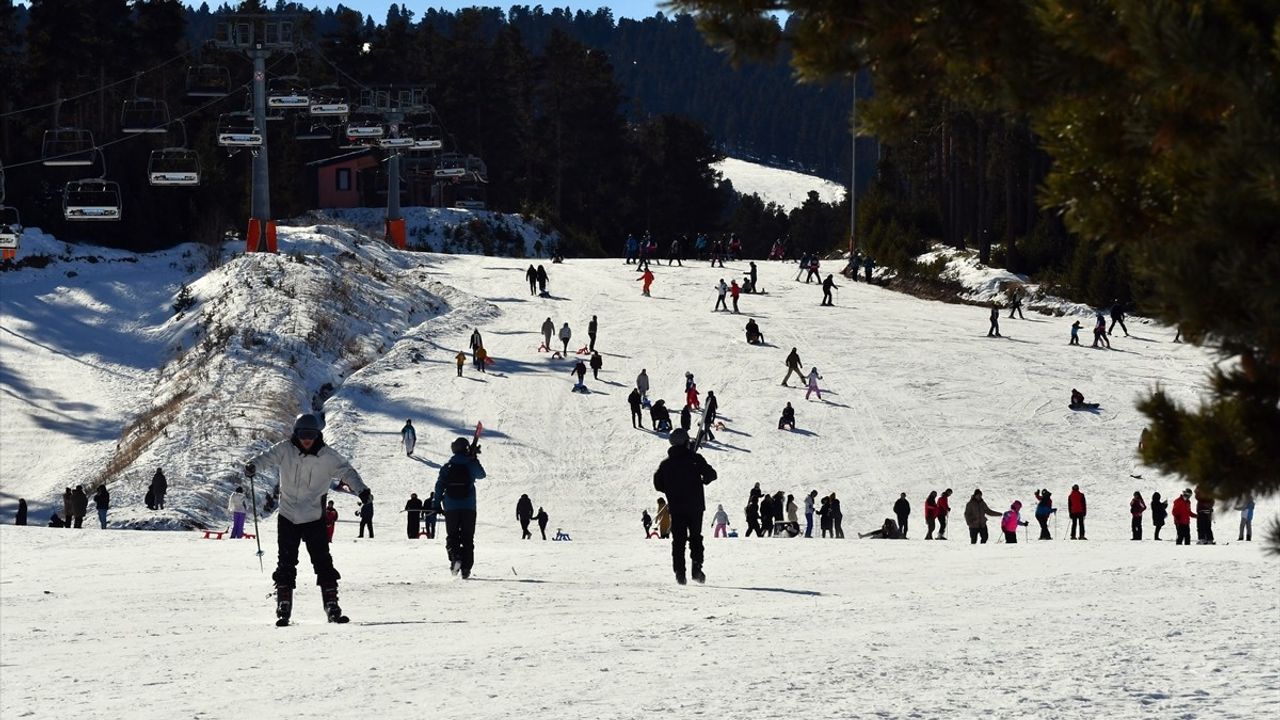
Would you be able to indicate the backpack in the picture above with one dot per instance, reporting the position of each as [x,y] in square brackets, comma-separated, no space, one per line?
[1009,523]
[457,481]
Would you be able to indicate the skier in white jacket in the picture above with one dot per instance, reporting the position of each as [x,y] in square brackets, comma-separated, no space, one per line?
[565,334]
[721,522]
[237,505]
[408,437]
[814,377]
[305,468]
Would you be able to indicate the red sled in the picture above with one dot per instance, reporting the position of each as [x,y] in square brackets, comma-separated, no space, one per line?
[583,350]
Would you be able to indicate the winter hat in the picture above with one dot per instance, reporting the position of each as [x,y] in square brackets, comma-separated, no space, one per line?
[679,437]
[1017,505]
[460,446]
[306,426]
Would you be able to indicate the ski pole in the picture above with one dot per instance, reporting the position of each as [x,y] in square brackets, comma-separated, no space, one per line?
[257,538]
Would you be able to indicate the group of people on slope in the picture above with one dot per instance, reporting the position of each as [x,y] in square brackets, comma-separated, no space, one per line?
[660,414]
[937,508]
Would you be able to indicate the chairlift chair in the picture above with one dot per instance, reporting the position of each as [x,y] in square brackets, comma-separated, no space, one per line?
[208,81]
[238,129]
[10,228]
[144,115]
[330,100]
[427,136]
[365,126]
[173,167]
[309,129]
[91,199]
[451,165]
[392,143]
[288,92]
[67,146]
[476,169]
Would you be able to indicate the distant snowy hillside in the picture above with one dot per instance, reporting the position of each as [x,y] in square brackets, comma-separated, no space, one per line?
[786,188]
[454,230]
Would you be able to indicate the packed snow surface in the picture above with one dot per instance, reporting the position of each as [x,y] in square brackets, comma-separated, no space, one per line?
[915,398]
[787,189]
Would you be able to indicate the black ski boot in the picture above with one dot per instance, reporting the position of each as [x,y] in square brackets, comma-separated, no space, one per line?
[284,605]
[331,609]
[680,578]
[698,576]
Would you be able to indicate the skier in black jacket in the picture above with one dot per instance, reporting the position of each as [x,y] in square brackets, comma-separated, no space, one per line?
[524,513]
[532,276]
[637,419]
[681,477]
[413,521]
[542,280]
[902,509]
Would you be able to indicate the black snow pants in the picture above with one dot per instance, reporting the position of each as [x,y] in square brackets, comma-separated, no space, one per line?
[1077,521]
[524,528]
[902,524]
[316,537]
[1137,527]
[1044,527]
[1204,527]
[460,537]
[977,532]
[686,528]
[1184,533]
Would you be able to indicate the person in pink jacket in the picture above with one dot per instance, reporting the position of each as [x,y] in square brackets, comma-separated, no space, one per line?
[1011,521]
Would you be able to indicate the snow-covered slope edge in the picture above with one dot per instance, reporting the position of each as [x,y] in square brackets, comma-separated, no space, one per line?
[454,230]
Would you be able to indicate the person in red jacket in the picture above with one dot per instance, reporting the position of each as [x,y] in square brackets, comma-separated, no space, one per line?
[734,292]
[1137,506]
[930,513]
[1182,517]
[944,509]
[1076,509]
[647,277]
[330,519]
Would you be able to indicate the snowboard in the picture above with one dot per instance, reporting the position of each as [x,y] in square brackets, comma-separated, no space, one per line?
[1085,406]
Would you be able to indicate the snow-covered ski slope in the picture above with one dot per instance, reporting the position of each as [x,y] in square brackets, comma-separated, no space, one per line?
[916,398]
[787,189]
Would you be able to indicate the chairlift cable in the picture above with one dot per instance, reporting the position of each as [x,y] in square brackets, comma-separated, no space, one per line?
[121,81]
[127,137]
[124,138]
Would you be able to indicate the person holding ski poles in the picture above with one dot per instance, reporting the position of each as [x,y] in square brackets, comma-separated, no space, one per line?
[1011,521]
[305,466]
[455,493]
